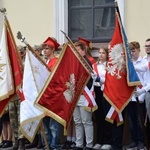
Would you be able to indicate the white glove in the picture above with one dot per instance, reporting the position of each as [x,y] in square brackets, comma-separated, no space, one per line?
[139,92]
[102,80]
[94,75]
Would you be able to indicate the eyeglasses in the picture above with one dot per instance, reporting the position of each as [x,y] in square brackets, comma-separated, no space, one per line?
[147,46]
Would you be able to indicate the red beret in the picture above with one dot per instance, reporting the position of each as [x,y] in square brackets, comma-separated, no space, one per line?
[51,42]
[86,42]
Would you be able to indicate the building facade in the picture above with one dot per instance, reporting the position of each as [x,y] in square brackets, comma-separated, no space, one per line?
[38,19]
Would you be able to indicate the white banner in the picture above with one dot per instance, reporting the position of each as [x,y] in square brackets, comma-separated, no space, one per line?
[6,79]
[34,78]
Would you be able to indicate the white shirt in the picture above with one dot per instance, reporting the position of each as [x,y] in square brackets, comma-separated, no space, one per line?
[139,62]
[144,68]
[101,68]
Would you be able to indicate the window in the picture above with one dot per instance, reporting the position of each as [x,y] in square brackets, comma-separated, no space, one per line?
[91,19]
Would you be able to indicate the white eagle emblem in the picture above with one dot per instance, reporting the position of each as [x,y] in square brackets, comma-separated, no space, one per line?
[117,63]
[69,93]
[36,69]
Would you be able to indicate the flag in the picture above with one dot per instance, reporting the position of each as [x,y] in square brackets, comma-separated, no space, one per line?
[10,70]
[132,77]
[59,96]
[16,62]
[34,78]
[121,77]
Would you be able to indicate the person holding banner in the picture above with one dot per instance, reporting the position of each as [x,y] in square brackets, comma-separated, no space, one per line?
[103,138]
[135,122]
[52,128]
[83,118]
[71,138]
[37,142]
[88,45]
[14,113]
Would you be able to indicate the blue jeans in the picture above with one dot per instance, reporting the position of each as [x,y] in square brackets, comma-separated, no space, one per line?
[135,122]
[53,131]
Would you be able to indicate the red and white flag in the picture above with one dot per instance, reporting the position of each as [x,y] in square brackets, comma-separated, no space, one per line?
[10,67]
[65,84]
[116,90]
[34,78]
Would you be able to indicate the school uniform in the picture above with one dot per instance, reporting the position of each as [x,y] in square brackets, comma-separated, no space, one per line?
[83,120]
[102,125]
[135,122]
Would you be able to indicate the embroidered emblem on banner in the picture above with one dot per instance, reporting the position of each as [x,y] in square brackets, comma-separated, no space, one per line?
[1,69]
[36,69]
[117,63]
[69,93]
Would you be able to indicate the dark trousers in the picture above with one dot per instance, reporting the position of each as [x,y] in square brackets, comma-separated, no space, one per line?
[103,127]
[135,122]
[148,133]
[117,134]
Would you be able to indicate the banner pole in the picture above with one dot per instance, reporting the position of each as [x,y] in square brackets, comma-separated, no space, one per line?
[44,136]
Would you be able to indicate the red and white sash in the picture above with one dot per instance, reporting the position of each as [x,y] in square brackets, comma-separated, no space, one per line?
[90,104]
[113,115]
[95,68]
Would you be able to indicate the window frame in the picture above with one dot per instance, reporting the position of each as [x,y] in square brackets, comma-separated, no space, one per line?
[61,17]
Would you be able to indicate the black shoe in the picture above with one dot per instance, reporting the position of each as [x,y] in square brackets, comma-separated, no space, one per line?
[1,144]
[7,144]
[15,146]
[132,145]
[40,146]
[67,145]
[21,144]
[140,146]
[73,144]
[88,148]
[27,141]
[77,148]
[31,145]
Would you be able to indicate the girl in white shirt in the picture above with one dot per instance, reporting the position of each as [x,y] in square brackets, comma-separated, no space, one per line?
[103,138]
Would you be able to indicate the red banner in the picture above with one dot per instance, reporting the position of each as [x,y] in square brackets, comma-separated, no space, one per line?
[64,86]
[116,90]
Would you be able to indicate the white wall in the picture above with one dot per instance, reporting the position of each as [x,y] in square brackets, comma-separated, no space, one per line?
[137,21]
[121,6]
[34,18]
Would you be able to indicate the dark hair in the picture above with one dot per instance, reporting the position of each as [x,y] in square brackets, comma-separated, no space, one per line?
[88,52]
[81,45]
[147,40]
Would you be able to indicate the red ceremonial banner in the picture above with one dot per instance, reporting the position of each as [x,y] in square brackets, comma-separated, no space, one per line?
[116,90]
[64,86]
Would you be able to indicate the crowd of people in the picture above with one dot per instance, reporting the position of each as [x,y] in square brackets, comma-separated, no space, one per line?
[82,133]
